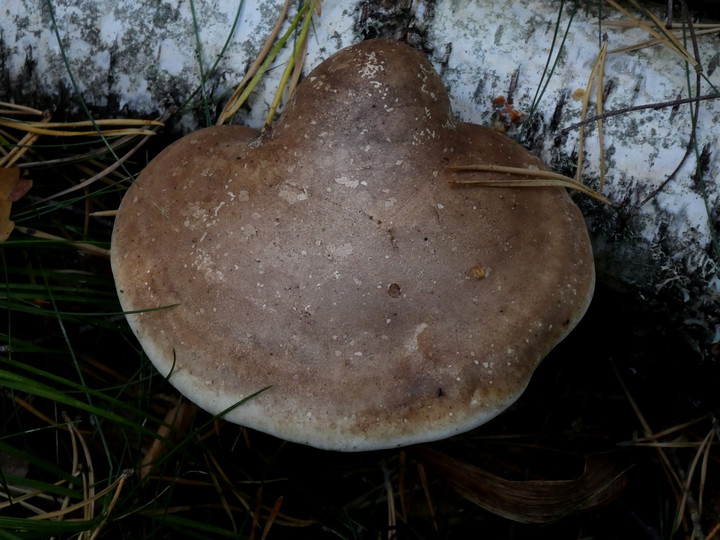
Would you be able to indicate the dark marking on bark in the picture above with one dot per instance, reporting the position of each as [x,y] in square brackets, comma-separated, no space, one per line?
[557,113]
[402,20]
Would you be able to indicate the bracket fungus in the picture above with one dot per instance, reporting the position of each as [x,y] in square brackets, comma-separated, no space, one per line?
[334,260]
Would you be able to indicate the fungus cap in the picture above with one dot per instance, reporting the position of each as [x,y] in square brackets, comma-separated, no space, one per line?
[332,260]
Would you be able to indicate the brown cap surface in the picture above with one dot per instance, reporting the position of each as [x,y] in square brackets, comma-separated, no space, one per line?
[332,260]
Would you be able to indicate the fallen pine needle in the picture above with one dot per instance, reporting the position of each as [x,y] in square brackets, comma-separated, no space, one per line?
[48,128]
[82,246]
[533,178]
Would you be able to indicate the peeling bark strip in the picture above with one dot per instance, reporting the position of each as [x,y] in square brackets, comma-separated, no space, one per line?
[132,58]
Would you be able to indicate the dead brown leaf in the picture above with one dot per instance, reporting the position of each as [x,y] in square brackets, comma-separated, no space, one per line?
[530,501]
[12,188]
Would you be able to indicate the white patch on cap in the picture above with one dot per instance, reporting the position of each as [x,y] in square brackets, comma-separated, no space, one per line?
[345,181]
[412,343]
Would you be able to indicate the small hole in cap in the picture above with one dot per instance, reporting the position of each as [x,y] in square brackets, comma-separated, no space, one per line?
[394,290]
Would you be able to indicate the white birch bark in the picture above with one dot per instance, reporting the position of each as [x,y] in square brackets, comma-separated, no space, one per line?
[135,57]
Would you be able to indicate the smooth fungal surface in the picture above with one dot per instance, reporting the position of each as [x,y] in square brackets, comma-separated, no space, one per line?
[332,262]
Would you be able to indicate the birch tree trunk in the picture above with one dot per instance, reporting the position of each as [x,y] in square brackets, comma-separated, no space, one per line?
[660,147]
